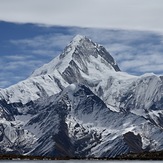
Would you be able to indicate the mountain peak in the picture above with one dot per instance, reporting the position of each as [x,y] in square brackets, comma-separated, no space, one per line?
[71,47]
[82,54]
[77,41]
[78,37]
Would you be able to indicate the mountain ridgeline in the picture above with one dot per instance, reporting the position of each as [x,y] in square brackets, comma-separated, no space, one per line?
[81,105]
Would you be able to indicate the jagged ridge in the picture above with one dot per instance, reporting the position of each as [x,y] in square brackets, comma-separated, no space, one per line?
[81,104]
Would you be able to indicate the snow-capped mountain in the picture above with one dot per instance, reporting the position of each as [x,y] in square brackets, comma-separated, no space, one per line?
[81,105]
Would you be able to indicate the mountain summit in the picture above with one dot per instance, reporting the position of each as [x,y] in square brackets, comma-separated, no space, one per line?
[82,56]
[81,105]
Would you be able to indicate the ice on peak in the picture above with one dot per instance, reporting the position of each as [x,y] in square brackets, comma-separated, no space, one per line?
[70,48]
[76,40]
[82,53]
[78,37]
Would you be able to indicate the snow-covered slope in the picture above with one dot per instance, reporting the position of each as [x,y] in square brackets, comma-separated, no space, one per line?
[81,104]
[80,60]
[82,53]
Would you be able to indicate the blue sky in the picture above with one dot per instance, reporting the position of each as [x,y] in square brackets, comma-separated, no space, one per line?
[32,35]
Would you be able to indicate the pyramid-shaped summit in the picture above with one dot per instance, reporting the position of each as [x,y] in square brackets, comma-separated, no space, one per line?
[80,55]
[81,105]
[82,61]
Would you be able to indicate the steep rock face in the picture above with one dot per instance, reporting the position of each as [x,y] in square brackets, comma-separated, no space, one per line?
[76,122]
[134,142]
[78,61]
[81,104]
[84,53]
[14,139]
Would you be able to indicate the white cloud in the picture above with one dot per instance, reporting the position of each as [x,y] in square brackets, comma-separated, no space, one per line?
[151,68]
[131,49]
[4,83]
[123,14]
[135,52]
[24,64]
[18,57]
[44,41]
[143,63]
[42,52]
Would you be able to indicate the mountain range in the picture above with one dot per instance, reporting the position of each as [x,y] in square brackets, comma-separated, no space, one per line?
[82,105]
